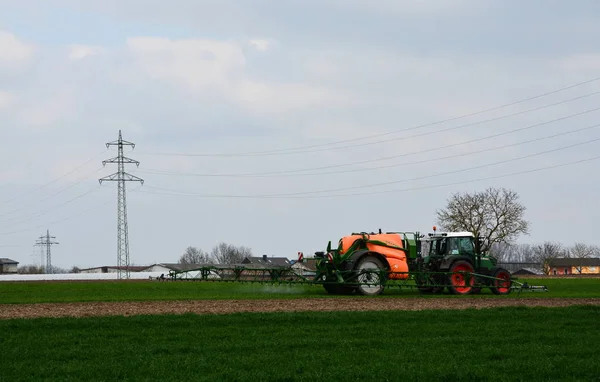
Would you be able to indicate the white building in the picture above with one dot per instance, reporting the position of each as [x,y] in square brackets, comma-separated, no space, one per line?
[8,265]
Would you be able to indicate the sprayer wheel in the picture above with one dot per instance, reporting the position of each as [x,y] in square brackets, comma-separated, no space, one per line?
[369,269]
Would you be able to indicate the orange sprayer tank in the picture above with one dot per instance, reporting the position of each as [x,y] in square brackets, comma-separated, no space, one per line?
[395,257]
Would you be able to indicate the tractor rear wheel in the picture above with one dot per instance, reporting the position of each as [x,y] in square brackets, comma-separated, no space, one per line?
[370,270]
[501,286]
[460,283]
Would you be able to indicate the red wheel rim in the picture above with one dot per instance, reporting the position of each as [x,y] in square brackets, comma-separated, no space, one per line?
[459,280]
[504,285]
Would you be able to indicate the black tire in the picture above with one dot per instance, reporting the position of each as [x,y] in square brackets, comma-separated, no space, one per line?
[501,287]
[338,289]
[369,269]
[457,283]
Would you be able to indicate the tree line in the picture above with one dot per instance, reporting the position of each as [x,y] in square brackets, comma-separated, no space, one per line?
[222,253]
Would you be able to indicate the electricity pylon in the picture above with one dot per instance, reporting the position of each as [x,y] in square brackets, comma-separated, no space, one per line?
[45,241]
[121,177]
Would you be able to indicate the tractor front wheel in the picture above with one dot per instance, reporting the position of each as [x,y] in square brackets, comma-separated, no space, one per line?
[461,283]
[370,270]
[502,286]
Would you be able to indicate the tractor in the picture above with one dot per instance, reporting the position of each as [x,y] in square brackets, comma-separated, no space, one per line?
[364,263]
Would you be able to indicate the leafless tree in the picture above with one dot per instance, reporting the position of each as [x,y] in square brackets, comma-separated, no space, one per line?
[225,253]
[544,253]
[504,252]
[30,269]
[581,251]
[494,214]
[193,255]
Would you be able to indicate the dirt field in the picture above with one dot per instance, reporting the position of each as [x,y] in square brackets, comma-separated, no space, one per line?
[8,311]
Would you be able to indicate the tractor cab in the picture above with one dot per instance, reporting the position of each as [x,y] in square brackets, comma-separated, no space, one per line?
[452,243]
[446,246]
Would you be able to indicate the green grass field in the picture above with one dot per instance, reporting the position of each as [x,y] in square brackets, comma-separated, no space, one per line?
[35,292]
[490,345]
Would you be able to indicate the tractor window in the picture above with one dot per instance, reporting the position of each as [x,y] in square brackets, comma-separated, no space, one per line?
[437,247]
[453,246]
[466,246]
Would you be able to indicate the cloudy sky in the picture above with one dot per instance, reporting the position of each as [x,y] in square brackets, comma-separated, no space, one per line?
[280,125]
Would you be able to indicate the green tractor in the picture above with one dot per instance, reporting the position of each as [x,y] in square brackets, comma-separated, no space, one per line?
[454,262]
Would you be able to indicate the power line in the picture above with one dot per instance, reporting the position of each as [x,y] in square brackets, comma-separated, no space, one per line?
[51,196]
[54,180]
[68,217]
[121,177]
[295,194]
[175,193]
[293,173]
[20,219]
[303,149]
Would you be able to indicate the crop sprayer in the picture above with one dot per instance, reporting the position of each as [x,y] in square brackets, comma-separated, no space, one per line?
[367,263]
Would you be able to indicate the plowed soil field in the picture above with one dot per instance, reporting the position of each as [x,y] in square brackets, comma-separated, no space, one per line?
[85,309]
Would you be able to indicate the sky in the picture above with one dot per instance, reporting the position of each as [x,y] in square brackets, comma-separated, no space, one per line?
[281,125]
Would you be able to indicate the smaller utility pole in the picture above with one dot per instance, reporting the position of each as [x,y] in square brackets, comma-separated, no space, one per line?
[46,241]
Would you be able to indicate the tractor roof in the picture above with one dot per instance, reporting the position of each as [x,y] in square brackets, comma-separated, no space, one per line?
[452,234]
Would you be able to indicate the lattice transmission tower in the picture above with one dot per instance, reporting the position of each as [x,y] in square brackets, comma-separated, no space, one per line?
[121,177]
[46,241]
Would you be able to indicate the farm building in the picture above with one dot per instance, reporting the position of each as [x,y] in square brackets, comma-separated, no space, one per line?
[574,266]
[305,268]
[268,261]
[113,269]
[528,271]
[8,265]
[514,267]
[166,267]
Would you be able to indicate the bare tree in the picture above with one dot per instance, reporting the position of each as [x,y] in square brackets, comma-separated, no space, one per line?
[30,269]
[524,253]
[504,252]
[581,251]
[193,255]
[225,253]
[544,253]
[495,215]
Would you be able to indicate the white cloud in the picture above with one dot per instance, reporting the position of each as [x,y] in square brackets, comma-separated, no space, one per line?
[260,44]
[79,52]
[205,66]
[13,52]
[193,64]
[584,62]
[48,111]
[6,99]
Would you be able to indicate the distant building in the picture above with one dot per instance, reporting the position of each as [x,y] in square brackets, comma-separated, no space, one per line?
[8,265]
[574,266]
[166,267]
[514,267]
[267,262]
[528,271]
[113,269]
[305,268]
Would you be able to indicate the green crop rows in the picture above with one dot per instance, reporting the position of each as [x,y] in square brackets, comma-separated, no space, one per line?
[489,345]
[34,292]
[494,344]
